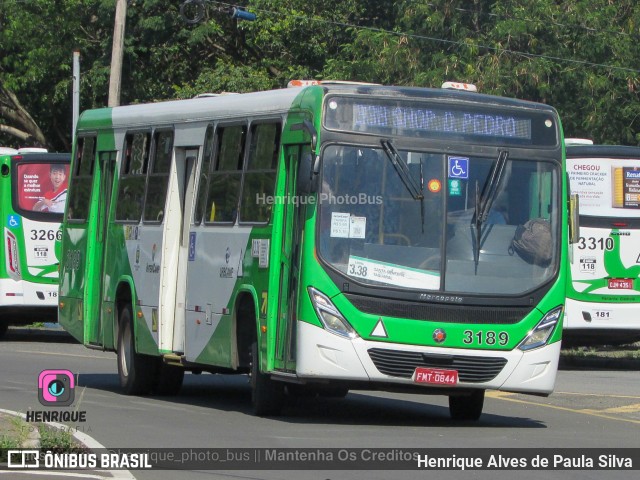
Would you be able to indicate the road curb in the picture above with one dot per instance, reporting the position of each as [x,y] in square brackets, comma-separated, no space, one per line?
[81,438]
[598,363]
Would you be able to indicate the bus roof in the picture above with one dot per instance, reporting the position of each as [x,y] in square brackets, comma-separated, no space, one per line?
[611,151]
[8,151]
[271,102]
[42,157]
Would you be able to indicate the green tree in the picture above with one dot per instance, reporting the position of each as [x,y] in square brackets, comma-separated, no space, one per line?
[581,56]
[37,39]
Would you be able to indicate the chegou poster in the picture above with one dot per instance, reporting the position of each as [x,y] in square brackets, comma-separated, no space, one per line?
[606,187]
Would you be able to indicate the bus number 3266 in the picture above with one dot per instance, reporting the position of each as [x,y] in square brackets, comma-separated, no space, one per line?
[46,234]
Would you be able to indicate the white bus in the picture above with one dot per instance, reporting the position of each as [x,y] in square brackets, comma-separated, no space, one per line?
[603,295]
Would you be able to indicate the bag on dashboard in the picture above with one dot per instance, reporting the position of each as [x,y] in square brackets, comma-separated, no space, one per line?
[533,242]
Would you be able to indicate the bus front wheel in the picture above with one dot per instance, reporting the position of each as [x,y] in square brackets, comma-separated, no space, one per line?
[3,329]
[266,395]
[168,379]
[466,407]
[136,371]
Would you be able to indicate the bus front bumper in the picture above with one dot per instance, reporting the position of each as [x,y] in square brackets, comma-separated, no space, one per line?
[326,356]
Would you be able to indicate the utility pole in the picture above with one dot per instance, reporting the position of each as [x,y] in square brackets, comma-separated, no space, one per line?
[76,92]
[117,52]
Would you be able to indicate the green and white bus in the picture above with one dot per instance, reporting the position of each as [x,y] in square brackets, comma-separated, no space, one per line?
[320,238]
[33,190]
[603,296]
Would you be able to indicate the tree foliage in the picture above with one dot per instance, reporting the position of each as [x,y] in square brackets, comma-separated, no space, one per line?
[581,56]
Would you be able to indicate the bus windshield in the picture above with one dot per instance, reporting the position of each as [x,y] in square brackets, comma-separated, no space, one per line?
[40,187]
[378,230]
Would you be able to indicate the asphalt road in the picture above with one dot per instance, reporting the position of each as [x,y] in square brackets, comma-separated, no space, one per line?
[589,409]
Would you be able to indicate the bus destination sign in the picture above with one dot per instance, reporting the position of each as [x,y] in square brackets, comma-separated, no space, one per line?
[391,117]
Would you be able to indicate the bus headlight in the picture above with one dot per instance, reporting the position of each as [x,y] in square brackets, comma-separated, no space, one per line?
[542,332]
[329,315]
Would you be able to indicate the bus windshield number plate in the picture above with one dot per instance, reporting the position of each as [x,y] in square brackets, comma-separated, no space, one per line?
[436,376]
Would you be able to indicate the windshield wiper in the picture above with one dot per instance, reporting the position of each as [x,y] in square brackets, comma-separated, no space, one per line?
[402,168]
[485,200]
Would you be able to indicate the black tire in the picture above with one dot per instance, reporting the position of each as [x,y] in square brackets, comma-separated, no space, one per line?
[466,407]
[266,395]
[295,390]
[333,391]
[3,329]
[136,371]
[311,391]
[168,379]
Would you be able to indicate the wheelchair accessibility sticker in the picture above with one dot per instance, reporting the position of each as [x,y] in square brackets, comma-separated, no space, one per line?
[459,167]
[13,221]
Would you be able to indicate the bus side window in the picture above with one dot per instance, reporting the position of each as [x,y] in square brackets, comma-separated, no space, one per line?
[205,173]
[81,179]
[158,177]
[133,176]
[224,184]
[260,173]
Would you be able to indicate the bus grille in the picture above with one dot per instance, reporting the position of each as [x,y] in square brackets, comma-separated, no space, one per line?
[397,363]
[439,313]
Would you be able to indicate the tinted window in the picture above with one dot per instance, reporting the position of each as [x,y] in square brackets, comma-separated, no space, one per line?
[224,185]
[133,176]
[80,191]
[260,175]
[158,177]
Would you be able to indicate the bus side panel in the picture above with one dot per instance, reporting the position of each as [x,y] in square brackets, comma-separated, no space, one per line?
[72,280]
[221,263]
[123,279]
[143,249]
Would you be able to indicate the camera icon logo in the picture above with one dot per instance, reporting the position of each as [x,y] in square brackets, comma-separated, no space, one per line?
[56,387]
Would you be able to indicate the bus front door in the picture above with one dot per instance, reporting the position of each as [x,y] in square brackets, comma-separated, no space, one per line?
[289,265]
[106,163]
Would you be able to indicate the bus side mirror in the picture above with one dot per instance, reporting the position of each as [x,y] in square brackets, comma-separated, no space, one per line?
[307,125]
[574,218]
[308,170]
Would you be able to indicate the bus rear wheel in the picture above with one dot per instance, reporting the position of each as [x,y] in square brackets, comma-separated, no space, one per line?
[466,407]
[3,329]
[136,371]
[266,395]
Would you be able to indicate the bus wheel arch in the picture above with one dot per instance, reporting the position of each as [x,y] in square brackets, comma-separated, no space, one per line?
[136,371]
[266,394]
[246,328]
[123,297]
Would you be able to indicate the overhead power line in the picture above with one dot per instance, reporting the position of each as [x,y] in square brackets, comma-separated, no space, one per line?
[584,63]
[537,22]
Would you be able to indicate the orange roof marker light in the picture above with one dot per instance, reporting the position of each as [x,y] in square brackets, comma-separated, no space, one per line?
[467,87]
